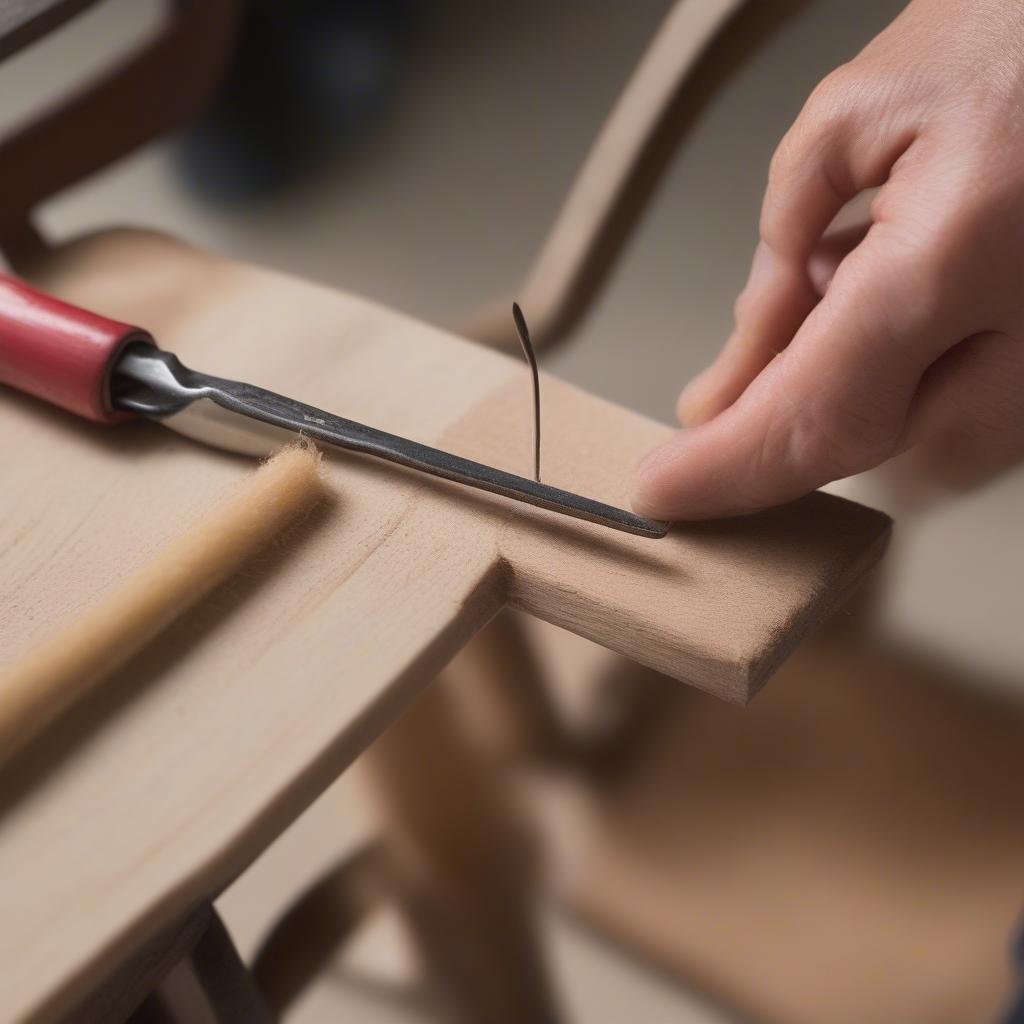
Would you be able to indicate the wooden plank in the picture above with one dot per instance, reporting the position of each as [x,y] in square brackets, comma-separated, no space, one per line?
[251,705]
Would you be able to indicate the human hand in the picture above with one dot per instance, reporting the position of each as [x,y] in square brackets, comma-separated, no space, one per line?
[907,332]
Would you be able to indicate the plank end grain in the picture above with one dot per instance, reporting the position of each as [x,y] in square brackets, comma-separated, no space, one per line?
[852,540]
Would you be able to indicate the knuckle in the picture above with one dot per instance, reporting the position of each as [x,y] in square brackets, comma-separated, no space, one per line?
[926,295]
[843,438]
[920,281]
[931,267]
[835,97]
[765,455]
[830,95]
[804,148]
[805,134]
[883,205]
[802,142]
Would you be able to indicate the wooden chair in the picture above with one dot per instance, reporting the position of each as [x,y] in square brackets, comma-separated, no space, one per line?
[124,822]
[649,892]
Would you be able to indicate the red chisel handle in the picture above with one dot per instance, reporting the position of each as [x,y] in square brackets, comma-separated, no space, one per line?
[58,352]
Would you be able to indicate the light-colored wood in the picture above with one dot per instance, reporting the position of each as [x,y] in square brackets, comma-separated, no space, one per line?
[216,985]
[462,864]
[131,990]
[453,853]
[495,678]
[248,707]
[847,849]
[67,666]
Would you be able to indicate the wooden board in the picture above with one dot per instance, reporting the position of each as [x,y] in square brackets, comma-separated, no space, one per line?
[215,737]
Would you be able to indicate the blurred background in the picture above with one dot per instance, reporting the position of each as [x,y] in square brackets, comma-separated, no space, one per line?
[436,144]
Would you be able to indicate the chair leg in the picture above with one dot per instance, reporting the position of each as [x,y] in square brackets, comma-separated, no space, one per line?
[154,1010]
[208,985]
[453,853]
[225,981]
[321,921]
[463,865]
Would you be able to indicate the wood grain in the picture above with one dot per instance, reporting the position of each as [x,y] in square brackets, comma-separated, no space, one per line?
[248,707]
[68,665]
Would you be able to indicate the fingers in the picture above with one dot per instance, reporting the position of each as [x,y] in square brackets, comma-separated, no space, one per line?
[835,150]
[843,142]
[774,304]
[742,359]
[835,402]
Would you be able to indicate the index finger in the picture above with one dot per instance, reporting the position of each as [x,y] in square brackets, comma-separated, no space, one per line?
[833,403]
